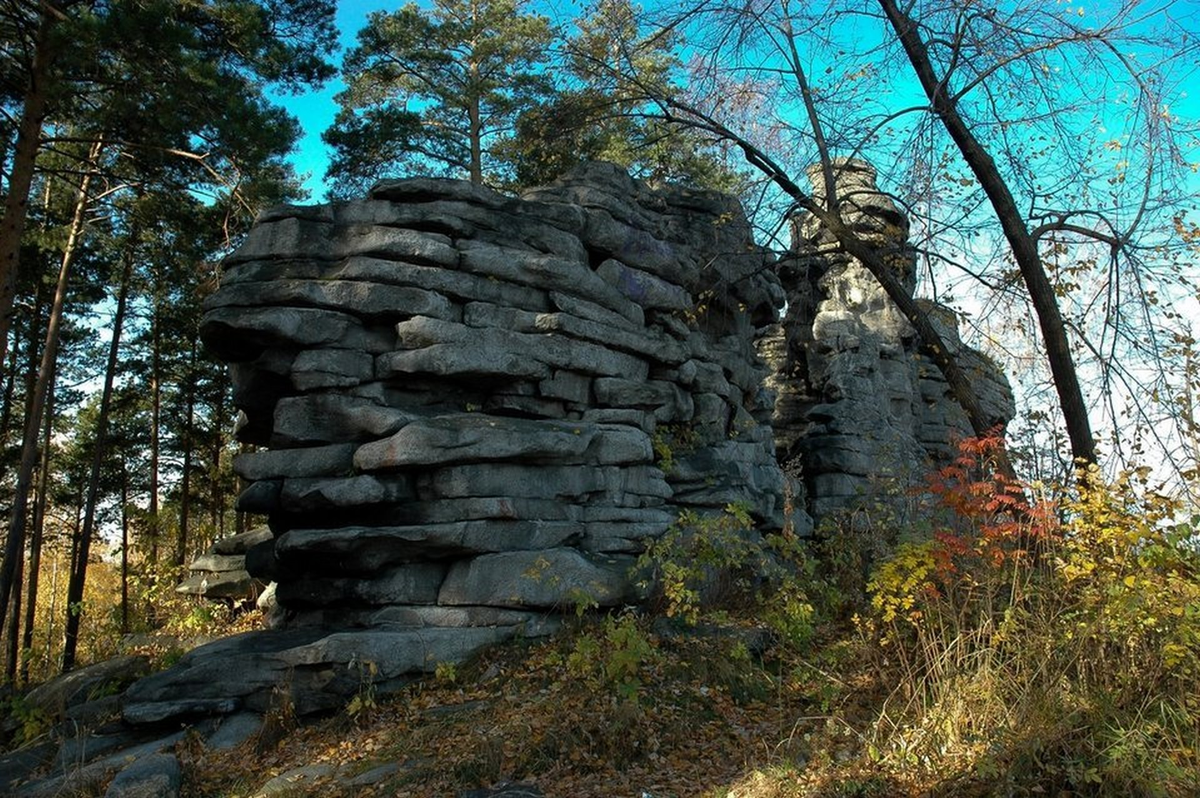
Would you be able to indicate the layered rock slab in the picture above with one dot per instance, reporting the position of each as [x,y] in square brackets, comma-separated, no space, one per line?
[463,401]
[861,410]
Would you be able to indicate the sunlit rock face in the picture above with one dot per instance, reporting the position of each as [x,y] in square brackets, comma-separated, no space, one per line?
[475,410]
[860,409]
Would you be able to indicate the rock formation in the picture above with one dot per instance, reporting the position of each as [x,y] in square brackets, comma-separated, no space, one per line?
[475,410]
[220,573]
[859,405]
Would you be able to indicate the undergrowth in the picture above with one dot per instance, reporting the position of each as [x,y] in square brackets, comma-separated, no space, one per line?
[1016,640]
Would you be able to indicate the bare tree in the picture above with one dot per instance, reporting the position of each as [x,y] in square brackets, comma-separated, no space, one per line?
[1036,155]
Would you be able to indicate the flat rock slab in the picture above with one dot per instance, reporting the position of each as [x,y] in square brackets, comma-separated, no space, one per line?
[87,779]
[154,776]
[321,669]
[234,730]
[295,781]
[17,766]
[474,437]
[85,684]
[553,578]
[241,543]
[228,585]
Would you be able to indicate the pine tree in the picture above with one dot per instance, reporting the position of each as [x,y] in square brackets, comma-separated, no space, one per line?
[437,91]
[598,115]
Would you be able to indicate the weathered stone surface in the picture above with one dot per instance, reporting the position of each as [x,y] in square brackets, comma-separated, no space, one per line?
[366,548]
[542,482]
[474,437]
[531,623]
[567,385]
[318,461]
[234,730]
[857,402]
[19,765]
[552,578]
[240,334]
[240,544]
[224,585]
[331,368]
[645,289]
[367,300]
[260,497]
[153,776]
[437,346]
[301,779]
[90,777]
[572,277]
[302,495]
[417,583]
[504,791]
[62,692]
[460,387]
[329,418]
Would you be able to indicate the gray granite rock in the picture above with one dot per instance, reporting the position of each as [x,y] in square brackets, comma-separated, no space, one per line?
[79,686]
[552,578]
[459,390]
[333,419]
[153,776]
[234,730]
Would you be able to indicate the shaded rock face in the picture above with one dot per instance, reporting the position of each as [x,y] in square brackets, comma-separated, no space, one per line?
[858,402]
[460,390]
[466,403]
[220,573]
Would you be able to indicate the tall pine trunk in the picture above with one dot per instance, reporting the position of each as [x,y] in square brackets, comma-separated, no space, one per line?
[16,201]
[12,650]
[33,424]
[10,385]
[185,499]
[155,423]
[100,450]
[39,535]
[125,552]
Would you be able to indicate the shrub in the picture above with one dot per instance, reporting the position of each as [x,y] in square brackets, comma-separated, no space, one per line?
[1044,643]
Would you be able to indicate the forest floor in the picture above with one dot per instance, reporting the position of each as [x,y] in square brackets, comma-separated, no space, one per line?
[603,710]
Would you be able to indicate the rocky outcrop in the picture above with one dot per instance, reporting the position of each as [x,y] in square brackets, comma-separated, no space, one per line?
[220,573]
[473,412]
[860,407]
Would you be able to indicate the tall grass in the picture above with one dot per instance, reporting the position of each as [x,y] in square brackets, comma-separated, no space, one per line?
[1039,644]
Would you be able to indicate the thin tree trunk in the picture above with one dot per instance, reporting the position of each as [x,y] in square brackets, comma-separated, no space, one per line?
[125,552]
[32,349]
[1023,245]
[14,623]
[218,488]
[16,201]
[39,535]
[474,117]
[10,384]
[868,254]
[155,421]
[33,424]
[185,500]
[79,575]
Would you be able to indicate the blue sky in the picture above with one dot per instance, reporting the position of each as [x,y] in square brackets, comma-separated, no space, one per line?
[316,110]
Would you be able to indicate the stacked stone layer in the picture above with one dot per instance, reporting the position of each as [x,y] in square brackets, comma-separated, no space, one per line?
[859,404]
[220,573]
[460,393]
